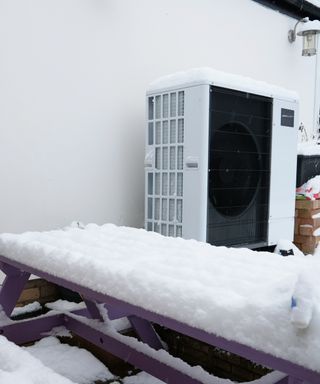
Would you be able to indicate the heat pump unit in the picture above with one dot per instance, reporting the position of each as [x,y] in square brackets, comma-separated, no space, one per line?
[220,159]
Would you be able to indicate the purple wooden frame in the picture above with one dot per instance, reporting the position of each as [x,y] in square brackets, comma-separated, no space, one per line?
[141,320]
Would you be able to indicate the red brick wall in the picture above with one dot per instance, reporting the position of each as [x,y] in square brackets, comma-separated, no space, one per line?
[214,360]
[306,224]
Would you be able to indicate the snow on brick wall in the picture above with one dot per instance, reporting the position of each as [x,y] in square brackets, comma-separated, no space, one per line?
[73,76]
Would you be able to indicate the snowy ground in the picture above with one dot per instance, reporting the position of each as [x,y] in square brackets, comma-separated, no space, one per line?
[79,365]
[74,363]
[49,361]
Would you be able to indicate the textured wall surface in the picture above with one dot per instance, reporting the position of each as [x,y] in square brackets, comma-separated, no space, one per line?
[73,76]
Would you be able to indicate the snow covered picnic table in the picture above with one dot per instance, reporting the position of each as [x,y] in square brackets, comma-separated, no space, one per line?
[236,299]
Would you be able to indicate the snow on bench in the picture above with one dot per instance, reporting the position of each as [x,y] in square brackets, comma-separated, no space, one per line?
[19,366]
[238,294]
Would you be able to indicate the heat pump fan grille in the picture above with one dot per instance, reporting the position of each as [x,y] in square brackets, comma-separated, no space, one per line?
[239,167]
[165,182]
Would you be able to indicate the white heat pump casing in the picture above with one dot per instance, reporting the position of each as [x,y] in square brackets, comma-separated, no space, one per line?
[196,147]
[283,174]
[193,224]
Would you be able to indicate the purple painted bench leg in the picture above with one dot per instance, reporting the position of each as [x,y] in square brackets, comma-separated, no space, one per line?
[146,332]
[93,309]
[12,287]
[26,331]
[143,328]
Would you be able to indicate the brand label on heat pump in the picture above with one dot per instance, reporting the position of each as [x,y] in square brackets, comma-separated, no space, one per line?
[287,117]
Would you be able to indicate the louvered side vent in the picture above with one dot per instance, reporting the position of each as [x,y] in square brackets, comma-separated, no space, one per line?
[165,180]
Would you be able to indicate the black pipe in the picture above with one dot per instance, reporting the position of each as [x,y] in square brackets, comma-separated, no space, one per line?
[294,8]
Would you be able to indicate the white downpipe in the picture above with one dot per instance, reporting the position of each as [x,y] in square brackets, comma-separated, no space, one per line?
[316,106]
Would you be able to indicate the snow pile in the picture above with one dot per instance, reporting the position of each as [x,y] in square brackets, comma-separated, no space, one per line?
[142,378]
[74,363]
[310,189]
[309,148]
[65,306]
[287,246]
[68,306]
[238,294]
[145,378]
[206,75]
[309,25]
[19,366]
[314,2]
[60,331]
[29,308]
[117,324]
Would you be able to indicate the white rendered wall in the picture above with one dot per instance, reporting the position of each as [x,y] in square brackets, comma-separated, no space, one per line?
[73,75]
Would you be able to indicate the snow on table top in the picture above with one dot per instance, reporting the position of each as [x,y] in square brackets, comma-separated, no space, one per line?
[206,75]
[238,294]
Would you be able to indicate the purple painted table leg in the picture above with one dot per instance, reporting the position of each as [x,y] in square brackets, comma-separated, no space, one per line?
[142,327]
[146,332]
[93,309]
[12,287]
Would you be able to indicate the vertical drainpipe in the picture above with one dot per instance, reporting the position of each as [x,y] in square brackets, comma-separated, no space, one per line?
[316,105]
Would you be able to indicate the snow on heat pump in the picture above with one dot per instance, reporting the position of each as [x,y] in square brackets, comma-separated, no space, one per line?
[220,160]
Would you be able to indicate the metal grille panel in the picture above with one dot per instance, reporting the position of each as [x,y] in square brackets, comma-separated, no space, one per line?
[165,182]
[239,168]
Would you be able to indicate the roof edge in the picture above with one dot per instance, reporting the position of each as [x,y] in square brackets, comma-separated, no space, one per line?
[294,8]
